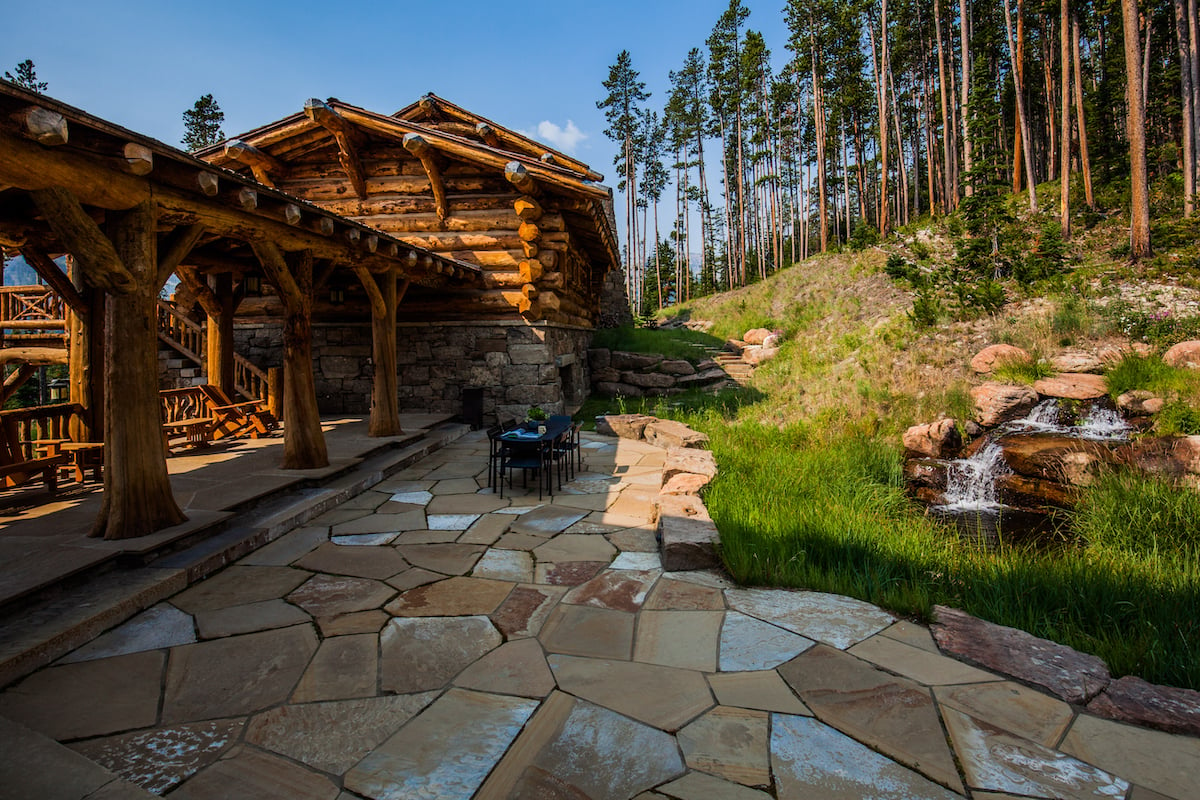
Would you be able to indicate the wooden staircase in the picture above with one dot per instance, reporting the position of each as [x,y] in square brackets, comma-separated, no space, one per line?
[188,339]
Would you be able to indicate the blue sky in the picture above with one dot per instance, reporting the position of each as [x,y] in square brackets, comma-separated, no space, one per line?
[524,65]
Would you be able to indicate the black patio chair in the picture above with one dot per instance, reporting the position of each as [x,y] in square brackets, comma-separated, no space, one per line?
[528,457]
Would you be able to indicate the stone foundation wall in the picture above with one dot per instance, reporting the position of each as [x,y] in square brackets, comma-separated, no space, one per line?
[177,372]
[516,364]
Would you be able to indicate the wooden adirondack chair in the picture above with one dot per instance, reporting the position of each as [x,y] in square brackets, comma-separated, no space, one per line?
[17,466]
[249,418]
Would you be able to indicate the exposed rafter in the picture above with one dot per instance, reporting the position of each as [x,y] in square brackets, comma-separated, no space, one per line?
[415,144]
[263,165]
[349,141]
[518,176]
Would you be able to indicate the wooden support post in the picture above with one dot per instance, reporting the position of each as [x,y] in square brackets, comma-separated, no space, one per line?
[137,491]
[16,379]
[416,144]
[219,339]
[275,392]
[303,441]
[385,408]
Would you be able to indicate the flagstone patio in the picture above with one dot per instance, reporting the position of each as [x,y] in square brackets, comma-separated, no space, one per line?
[428,639]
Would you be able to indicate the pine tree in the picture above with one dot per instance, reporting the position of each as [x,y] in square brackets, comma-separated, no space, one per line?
[27,77]
[620,108]
[202,124]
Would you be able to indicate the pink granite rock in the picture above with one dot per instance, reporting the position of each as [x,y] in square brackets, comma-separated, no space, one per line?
[1140,402]
[1070,675]
[756,335]
[1185,355]
[1131,699]
[1000,402]
[933,439]
[987,359]
[626,426]
[1072,385]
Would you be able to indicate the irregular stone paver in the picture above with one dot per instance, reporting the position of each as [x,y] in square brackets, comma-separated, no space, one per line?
[567,573]
[1075,677]
[698,786]
[260,616]
[1156,760]
[236,675]
[448,559]
[487,530]
[450,522]
[810,759]
[382,523]
[630,540]
[547,520]
[411,578]
[576,547]
[162,758]
[584,631]
[427,537]
[890,714]
[731,743]
[446,752]
[333,737]
[518,667]
[288,548]
[355,622]
[359,562]
[559,753]
[90,698]
[252,775]
[237,586]
[160,626]
[911,634]
[751,644]
[420,654]
[520,541]
[334,595]
[33,766]
[526,610]
[673,595]
[416,498]
[664,697]
[344,667]
[637,561]
[473,504]
[683,639]
[454,597]
[1167,708]
[833,619]
[995,760]
[623,590]
[763,690]
[931,669]
[363,539]
[505,565]
[1011,707]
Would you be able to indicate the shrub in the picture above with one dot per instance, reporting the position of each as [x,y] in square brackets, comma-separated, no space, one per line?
[1048,259]
[900,269]
[863,236]
[926,309]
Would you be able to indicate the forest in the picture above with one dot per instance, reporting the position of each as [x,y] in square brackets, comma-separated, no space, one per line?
[888,112]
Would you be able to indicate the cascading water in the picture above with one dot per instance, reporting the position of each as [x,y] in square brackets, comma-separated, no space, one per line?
[971,482]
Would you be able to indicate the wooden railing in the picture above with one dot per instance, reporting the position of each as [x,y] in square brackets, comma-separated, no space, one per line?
[32,311]
[183,404]
[188,338]
[24,427]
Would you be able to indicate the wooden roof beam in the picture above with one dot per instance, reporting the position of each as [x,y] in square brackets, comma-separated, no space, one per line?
[488,134]
[263,165]
[82,237]
[416,144]
[349,141]
[516,174]
[42,125]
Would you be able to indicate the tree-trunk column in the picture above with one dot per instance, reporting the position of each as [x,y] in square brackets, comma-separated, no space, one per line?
[219,341]
[137,491]
[385,407]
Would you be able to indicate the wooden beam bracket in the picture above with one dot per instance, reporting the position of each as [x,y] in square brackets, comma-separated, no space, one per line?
[419,147]
[349,141]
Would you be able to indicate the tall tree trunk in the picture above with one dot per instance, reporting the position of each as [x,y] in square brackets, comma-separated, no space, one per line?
[1188,118]
[1139,212]
[949,150]
[137,490]
[1193,17]
[900,146]
[882,86]
[819,125]
[1019,75]
[1024,120]
[1064,171]
[1080,118]
[1048,88]
[965,35]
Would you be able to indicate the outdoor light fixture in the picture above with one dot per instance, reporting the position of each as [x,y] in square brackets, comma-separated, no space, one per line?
[337,295]
[252,285]
[59,388]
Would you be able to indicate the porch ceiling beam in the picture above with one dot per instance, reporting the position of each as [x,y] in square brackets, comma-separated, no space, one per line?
[263,165]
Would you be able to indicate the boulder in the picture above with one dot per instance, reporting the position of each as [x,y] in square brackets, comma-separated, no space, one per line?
[689,460]
[705,363]
[677,367]
[933,439]
[710,375]
[666,433]
[599,358]
[774,340]
[757,355]
[1021,491]
[1131,699]
[1069,675]
[1174,457]
[648,380]
[1140,403]
[1072,385]
[615,389]
[1074,360]
[1185,355]
[685,483]
[687,539]
[689,506]
[1000,402]
[756,335]
[926,473]
[626,426]
[634,361]
[987,359]
[605,375]
[1078,462]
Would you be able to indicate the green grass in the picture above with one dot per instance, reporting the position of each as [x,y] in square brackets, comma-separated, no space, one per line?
[1150,373]
[1021,371]
[673,343]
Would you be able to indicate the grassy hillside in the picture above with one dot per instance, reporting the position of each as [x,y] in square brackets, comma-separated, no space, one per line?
[811,494]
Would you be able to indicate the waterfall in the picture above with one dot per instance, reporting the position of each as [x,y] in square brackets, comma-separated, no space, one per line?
[971,482]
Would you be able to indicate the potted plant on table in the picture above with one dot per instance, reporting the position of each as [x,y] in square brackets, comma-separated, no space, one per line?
[535,419]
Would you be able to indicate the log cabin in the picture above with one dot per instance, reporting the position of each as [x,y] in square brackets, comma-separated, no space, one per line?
[532,220]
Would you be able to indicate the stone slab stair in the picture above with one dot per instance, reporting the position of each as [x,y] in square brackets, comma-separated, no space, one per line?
[729,358]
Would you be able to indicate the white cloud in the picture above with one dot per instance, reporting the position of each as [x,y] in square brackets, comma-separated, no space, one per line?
[564,139]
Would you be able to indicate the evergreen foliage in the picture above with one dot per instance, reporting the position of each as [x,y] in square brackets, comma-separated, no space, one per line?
[202,124]
[27,77]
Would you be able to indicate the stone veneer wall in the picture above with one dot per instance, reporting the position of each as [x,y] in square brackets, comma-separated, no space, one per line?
[517,365]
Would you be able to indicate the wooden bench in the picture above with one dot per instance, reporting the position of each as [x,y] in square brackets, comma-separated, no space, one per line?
[28,434]
[249,417]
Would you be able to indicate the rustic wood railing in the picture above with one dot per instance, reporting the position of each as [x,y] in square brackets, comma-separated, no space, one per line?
[24,427]
[31,311]
[188,338]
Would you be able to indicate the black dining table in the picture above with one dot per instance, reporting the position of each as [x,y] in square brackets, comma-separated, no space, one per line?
[526,437]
